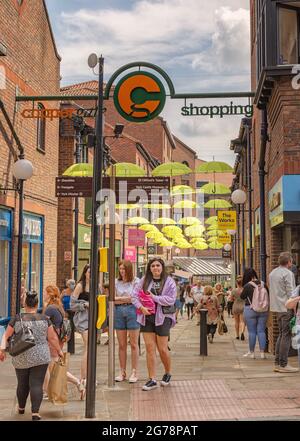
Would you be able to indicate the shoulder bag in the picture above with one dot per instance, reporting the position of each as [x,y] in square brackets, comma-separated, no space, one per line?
[167,309]
[22,340]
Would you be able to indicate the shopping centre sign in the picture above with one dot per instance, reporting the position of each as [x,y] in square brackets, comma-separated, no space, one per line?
[140,95]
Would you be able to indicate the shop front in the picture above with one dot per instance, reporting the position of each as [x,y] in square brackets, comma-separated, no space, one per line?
[84,247]
[32,254]
[5,263]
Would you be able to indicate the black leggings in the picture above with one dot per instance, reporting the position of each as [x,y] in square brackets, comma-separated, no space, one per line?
[31,380]
[189,307]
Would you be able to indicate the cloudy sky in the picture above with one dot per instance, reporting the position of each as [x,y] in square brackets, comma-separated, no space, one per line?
[202,45]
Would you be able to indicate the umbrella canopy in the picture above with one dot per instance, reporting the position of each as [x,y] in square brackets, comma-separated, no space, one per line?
[186,204]
[214,188]
[183,245]
[81,170]
[127,169]
[212,227]
[217,203]
[189,221]
[194,231]
[215,245]
[126,206]
[164,221]
[181,189]
[213,233]
[157,206]
[172,230]
[154,235]
[211,220]
[148,227]
[214,167]
[200,246]
[212,239]
[171,169]
[197,239]
[137,220]
[164,242]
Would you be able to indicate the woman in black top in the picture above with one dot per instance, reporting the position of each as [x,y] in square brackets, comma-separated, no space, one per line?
[255,321]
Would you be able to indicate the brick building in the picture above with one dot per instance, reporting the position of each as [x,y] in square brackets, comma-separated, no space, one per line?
[30,65]
[274,138]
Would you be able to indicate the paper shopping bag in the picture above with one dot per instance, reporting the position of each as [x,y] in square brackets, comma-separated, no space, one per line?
[57,389]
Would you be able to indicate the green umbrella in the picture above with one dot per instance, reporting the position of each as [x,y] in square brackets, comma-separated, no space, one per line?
[137,220]
[171,169]
[217,203]
[164,221]
[127,169]
[186,204]
[214,188]
[189,221]
[81,170]
[214,167]
[215,245]
[211,220]
[181,189]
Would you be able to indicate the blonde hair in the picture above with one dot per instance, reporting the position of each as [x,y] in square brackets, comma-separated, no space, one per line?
[208,290]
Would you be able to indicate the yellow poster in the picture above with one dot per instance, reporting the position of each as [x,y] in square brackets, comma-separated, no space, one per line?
[103,264]
[226,220]
[224,237]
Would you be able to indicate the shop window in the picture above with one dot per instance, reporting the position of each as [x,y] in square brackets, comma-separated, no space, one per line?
[288,35]
[5,262]
[41,131]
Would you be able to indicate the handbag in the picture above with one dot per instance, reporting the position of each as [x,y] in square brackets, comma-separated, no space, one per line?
[21,341]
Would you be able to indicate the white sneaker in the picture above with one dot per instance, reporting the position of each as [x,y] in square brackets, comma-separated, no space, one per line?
[249,355]
[288,369]
[133,377]
[262,355]
[121,377]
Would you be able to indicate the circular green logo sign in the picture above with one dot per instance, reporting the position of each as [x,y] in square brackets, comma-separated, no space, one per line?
[139,96]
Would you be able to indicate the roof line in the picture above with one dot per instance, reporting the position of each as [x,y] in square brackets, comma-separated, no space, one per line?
[51,32]
[184,144]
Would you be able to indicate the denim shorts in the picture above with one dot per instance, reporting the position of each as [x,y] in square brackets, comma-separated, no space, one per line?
[125,318]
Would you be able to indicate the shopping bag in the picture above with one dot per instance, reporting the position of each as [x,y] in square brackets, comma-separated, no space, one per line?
[221,325]
[57,389]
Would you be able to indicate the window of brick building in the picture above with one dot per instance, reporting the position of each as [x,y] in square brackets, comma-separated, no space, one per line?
[41,131]
[288,23]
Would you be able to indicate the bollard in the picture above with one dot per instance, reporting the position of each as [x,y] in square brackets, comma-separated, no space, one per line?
[203,332]
[71,342]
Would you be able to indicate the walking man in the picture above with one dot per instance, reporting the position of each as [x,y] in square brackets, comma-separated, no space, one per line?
[282,283]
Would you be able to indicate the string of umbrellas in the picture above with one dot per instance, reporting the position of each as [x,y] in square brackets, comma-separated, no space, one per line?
[187,232]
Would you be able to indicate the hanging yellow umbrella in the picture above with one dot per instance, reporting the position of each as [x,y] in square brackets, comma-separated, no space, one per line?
[164,221]
[194,231]
[214,167]
[213,233]
[127,169]
[183,245]
[165,243]
[127,206]
[148,227]
[212,227]
[137,220]
[214,188]
[189,221]
[215,245]
[171,169]
[217,203]
[197,239]
[81,169]
[186,204]
[157,206]
[181,189]
[212,239]
[171,230]
[211,220]
[200,246]
[154,235]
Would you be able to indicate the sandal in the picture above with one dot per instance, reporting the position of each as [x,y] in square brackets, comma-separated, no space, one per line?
[121,377]
[133,377]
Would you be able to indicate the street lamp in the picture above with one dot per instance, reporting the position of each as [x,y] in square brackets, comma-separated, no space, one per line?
[22,170]
[239,197]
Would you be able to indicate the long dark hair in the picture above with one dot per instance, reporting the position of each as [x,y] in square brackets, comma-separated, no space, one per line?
[249,275]
[83,276]
[149,276]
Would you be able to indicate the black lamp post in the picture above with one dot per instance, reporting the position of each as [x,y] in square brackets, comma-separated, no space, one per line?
[22,170]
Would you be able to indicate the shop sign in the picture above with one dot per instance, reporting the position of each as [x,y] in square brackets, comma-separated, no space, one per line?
[226,254]
[276,204]
[136,238]
[5,224]
[224,237]
[257,221]
[84,237]
[218,111]
[226,220]
[32,227]
[151,249]
[130,254]
[57,113]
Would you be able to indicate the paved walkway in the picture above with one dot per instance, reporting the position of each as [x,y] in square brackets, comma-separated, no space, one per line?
[222,386]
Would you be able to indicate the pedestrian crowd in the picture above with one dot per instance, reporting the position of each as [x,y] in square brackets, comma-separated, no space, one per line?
[150,307]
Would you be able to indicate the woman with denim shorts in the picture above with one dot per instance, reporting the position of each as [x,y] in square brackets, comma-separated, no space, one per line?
[125,320]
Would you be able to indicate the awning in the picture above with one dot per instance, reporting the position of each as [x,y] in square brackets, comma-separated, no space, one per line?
[201,267]
[183,274]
